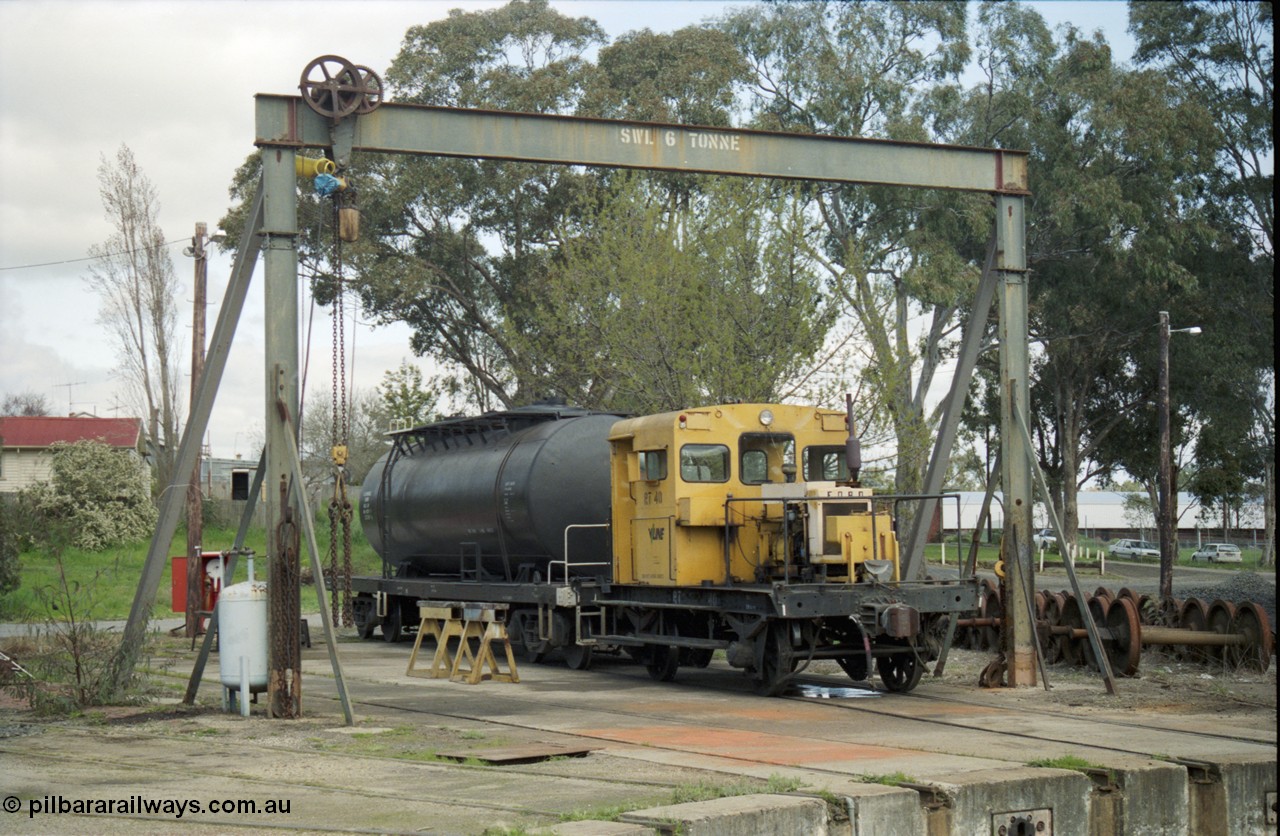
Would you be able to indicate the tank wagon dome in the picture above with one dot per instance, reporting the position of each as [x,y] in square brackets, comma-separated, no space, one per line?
[498,489]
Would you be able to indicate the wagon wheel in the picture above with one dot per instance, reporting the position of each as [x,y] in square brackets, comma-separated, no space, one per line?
[519,632]
[1042,603]
[1053,618]
[392,623]
[1255,654]
[1194,616]
[1070,647]
[577,656]
[992,607]
[900,672]
[1124,651]
[1103,592]
[332,86]
[1221,614]
[1098,607]
[1134,598]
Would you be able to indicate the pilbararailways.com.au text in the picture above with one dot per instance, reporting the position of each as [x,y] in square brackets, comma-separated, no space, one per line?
[137,805]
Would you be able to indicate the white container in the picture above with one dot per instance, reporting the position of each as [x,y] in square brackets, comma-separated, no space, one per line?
[242,636]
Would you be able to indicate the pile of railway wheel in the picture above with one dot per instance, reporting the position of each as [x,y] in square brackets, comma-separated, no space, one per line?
[1219,633]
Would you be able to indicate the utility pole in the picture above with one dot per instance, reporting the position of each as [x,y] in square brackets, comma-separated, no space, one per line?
[1164,517]
[1167,513]
[195,507]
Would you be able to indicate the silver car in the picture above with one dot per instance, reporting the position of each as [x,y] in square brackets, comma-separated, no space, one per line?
[1218,553]
[1133,548]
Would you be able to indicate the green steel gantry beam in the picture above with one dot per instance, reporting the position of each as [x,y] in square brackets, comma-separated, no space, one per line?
[285,125]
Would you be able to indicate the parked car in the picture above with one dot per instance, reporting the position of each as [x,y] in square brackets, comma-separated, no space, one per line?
[1133,548]
[1218,553]
[1045,540]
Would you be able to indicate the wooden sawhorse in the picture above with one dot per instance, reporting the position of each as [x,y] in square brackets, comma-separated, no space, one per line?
[466,623]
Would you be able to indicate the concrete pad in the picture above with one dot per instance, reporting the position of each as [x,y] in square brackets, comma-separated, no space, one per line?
[980,802]
[1140,797]
[875,809]
[1229,795]
[741,815]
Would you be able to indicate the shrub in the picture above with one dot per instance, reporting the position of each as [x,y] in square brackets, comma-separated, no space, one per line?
[100,492]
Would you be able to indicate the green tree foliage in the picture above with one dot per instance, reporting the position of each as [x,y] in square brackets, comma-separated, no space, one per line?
[404,400]
[101,494]
[873,70]
[11,538]
[1223,55]
[650,308]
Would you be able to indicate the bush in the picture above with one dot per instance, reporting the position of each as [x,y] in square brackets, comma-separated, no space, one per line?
[10,546]
[98,491]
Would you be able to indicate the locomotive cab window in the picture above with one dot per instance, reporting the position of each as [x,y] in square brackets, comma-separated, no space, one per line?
[704,463]
[653,465]
[825,464]
[767,457]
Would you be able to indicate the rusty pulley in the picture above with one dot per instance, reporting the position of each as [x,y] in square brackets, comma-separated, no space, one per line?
[335,88]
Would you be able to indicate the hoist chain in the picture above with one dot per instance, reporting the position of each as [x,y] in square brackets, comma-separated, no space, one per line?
[285,683]
[339,506]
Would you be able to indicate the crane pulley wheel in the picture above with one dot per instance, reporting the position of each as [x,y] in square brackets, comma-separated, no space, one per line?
[334,87]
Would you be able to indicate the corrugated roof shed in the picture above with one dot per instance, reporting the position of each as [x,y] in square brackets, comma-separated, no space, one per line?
[44,431]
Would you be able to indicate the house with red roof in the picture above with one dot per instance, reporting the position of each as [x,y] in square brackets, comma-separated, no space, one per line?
[25,441]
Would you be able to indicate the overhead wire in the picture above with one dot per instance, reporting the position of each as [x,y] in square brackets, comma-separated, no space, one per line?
[159,246]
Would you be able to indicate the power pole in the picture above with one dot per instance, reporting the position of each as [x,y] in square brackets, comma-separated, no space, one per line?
[195,507]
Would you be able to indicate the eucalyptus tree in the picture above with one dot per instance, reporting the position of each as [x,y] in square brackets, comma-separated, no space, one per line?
[1222,55]
[873,70]
[650,307]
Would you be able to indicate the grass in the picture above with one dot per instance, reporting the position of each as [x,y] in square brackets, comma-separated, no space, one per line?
[686,793]
[111,576]
[1071,762]
[892,779]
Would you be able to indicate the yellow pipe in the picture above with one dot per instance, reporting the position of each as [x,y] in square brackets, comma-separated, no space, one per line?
[308,167]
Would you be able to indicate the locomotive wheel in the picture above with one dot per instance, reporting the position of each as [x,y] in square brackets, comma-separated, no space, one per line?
[778,660]
[696,657]
[1221,614]
[663,663]
[900,672]
[393,623]
[855,666]
[1255,655]
[1124,651]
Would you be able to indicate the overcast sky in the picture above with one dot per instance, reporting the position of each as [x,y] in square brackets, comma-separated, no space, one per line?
[175,82]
